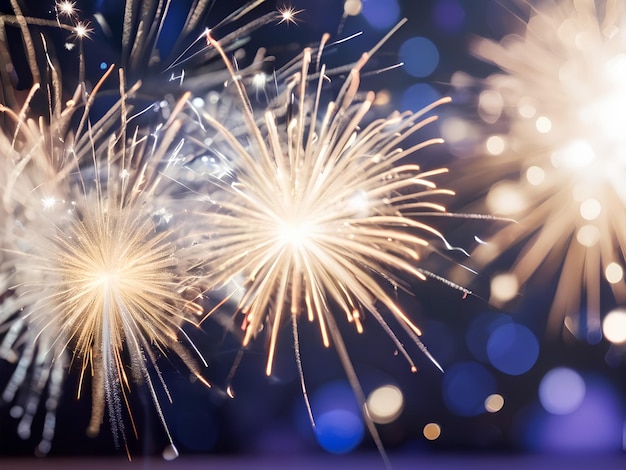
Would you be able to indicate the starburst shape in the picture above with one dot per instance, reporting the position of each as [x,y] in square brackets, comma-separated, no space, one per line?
[558,165]
[82,30]
[288,15]
[66,8]
[97,269]
[322,213]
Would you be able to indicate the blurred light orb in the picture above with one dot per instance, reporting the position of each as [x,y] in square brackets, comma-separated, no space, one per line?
[614,326]
[169,453]
[432,431]
[418,96]
[490,104]
[197,102]
[504,287]
[339,431]
[504,198]
[535,175]
[479,331]
[352,7]
[595,426]
[455,130]
[466,386]
[614,273]
[494,403]
[495,145]
[512,349]
[588,235]
[383,98]
[381,14]
[590,209]
[561,391]
[420,56]
[543,124]
[527,107]
[339,425]
[385,404]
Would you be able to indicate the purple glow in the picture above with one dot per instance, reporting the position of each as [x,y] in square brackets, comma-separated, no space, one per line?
[479,331]
[449,16]
[338,423]
[420,56]
[561,391]
[381,14]
[512,349]
[597,425]
[417,96]
[466,386]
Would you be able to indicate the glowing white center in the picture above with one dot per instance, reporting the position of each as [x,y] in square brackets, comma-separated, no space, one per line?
[295,233]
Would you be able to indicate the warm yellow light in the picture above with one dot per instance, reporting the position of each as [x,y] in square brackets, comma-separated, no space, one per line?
[495,145]
[535,175]
[490,105]
[504,287]
[590,209]
[614,273]
[385,404]
[352,7]
[588,235]
[543,124]
[432,431]
[505,198]
[494,403]
[455,130]
[527,107]
[614,326]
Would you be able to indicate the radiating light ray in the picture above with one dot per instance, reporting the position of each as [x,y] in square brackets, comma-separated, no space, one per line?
[314,216]
[558,154]
[91,268]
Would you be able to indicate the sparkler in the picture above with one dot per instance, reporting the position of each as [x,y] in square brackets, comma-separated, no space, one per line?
[559,155]
[321,210]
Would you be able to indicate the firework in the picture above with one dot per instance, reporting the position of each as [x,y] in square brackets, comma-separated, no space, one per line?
[320,210]
[96,263]
[166,65]
[558,155]
[92,265]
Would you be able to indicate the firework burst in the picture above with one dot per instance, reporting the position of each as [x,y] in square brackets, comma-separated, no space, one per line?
[558,155]
[320,211]
[92,264]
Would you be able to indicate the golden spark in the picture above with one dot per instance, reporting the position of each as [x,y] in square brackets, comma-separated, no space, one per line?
[559,163]
[321,213]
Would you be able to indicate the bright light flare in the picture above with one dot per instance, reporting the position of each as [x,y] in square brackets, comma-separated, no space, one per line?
[562,95]
[97,272]
[288,15]
[614,326]
[385,404]
[324,213]
[82,30]
[66,8]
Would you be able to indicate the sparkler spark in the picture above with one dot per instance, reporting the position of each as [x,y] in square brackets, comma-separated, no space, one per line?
[66,8]
[90,266]
[288,15]
[560,157]
[321,212]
